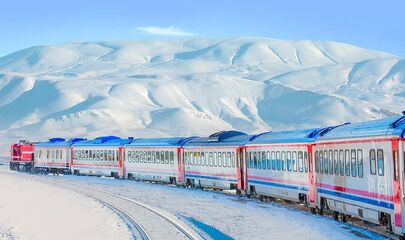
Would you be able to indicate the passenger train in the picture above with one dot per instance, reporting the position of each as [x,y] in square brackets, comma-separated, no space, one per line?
[352,170]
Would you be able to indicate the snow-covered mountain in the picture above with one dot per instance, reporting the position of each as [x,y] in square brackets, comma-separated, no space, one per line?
[193,87]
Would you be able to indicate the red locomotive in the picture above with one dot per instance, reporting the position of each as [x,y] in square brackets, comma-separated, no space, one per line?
[22,156]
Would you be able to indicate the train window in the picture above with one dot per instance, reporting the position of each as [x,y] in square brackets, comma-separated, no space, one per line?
[198,158]
[268,160]
[283,161]
[273,160]
[264,159]
[149,157]
[373,169]
[206,159]
[192,158]
[278,160]
[157,157]
[229,160]
[215,159]
[129,156]
[321,161]
[360,163]
[201,158]
[306,162]
[300,162]
[259,161]
[325,162]
[250,159]
[330,162]
[233,159]
[316,162]
[341,163]
[289,161]
[140,156]
[167,157]
[135,155]
[336,162]
[171,157]
[294,160]
[57,154]
[254,160]
[347,162]
[354,167]
[211,159]
[153,157]
[380,162]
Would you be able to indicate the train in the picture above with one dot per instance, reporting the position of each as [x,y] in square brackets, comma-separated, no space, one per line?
[349,170]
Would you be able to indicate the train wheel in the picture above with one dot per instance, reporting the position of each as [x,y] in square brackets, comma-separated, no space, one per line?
[336,215]
[313,210]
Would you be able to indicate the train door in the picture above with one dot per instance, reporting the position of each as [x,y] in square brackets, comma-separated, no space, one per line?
[241,169]
[311,177]
[121,167]
[396,183]
[180,168]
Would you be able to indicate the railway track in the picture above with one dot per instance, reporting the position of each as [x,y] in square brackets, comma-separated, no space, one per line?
[137,212]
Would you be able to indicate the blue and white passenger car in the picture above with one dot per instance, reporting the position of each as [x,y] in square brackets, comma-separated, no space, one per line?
[360,171]
[155,159]
[54,155]
[215,161]
[101,156]
[279,164]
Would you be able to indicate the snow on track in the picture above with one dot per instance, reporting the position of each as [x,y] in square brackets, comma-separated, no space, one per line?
[34,210]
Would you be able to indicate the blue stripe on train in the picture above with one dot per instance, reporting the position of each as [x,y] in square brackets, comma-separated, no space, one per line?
[210,177]
[281,185]
[358,198]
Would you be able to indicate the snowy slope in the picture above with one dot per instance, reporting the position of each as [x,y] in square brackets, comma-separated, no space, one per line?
[197,86]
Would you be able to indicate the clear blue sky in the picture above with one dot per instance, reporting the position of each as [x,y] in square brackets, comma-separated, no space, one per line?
[371,24]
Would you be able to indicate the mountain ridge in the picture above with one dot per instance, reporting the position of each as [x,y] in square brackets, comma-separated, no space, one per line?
[193,87]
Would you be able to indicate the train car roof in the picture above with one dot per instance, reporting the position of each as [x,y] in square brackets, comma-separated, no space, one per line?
[292,136]
[59,142]
[223,138]
[382,127]
[160,142]
[104,141]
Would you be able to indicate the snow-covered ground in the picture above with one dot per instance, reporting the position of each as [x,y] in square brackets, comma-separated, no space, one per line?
[192,87]
[38,211]
[219,215]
